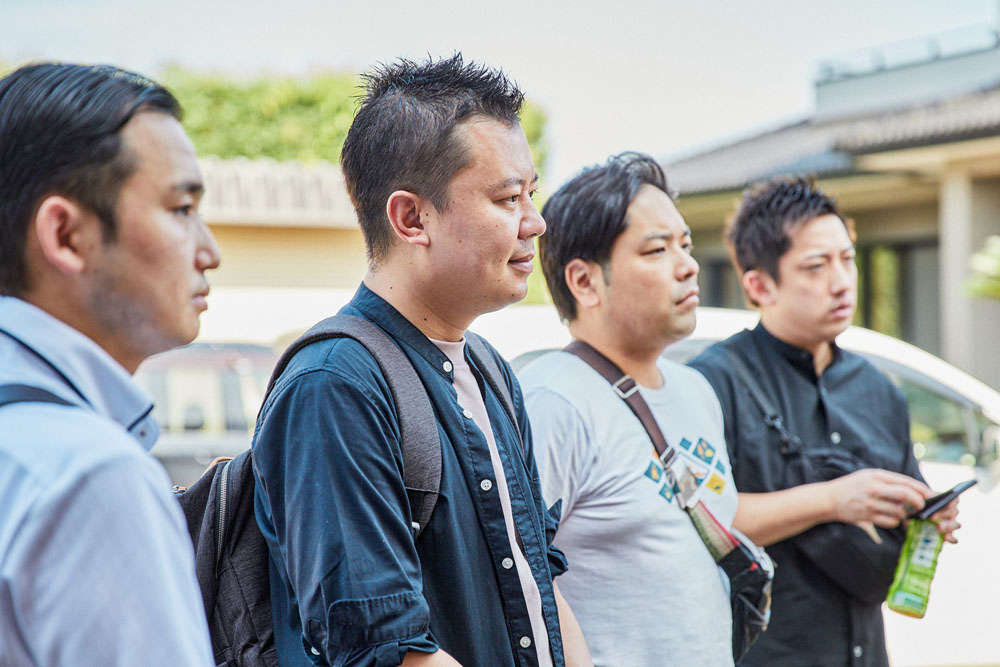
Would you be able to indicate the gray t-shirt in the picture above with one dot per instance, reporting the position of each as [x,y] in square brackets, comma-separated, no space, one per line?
[641,582]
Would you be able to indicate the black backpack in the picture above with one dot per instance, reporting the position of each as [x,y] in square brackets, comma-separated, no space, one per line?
[231,556]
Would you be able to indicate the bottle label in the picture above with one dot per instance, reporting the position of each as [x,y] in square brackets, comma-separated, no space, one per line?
[911,585]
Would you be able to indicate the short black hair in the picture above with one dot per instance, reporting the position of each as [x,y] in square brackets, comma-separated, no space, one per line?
[403,136]
[758,232]
[60,127]
[586,216]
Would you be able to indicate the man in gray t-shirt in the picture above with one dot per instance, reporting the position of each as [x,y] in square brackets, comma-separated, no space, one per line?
[641,582]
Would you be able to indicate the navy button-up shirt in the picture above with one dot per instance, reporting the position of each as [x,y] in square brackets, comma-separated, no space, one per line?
[349,583]
[851,405]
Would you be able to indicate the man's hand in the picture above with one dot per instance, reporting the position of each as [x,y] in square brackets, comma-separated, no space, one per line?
[947,521]
[867,498]
[874,496]
[574,646]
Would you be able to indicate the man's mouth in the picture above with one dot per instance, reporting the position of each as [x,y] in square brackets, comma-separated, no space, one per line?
[843,310]
[690,298]
[523,262]
[200,299]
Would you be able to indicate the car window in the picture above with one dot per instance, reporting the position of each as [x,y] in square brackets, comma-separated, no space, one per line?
[938,424]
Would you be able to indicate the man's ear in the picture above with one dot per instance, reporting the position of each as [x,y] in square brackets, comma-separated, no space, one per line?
[583,279]
[406,212]
[66,233]
[759,286]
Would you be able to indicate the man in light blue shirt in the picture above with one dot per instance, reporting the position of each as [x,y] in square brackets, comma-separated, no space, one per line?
[102,261]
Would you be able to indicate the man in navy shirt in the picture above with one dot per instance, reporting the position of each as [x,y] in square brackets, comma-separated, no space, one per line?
[440,174]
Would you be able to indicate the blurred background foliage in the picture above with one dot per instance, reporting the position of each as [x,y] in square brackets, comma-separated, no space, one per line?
[287,118]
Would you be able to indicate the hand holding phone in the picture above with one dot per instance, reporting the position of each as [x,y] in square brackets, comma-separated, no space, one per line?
[935,503]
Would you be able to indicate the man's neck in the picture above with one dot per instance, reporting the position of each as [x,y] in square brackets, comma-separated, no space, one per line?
[822,351]
[633,359]
[411,300]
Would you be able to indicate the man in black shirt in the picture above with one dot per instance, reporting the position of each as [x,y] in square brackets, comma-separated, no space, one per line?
[795,255]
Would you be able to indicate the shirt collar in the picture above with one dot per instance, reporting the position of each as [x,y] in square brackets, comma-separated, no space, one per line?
[798,357]
[382,313]
[79,365]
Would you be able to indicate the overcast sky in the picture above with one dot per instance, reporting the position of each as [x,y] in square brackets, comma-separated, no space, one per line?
[664,77]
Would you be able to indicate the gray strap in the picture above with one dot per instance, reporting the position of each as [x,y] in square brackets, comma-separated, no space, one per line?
[420,443]
[22,393]
[494,377]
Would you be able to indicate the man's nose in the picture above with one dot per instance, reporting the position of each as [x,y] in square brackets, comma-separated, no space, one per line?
[841,277]
[688,266]
[532,223]
[207,255]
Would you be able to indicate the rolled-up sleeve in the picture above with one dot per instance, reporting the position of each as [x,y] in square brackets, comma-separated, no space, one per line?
[330,484]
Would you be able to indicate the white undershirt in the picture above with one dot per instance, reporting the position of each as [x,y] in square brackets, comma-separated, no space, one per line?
[471,399]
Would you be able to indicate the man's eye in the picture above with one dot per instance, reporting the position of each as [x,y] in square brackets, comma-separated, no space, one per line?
[513,198]
[184,210]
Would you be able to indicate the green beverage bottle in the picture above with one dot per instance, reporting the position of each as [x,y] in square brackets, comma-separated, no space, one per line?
[911,585]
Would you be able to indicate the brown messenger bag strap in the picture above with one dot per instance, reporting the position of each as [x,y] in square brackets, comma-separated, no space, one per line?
[628,390]
[716,537]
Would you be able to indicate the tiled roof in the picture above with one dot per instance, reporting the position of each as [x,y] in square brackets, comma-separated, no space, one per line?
[827,148]
[264,191]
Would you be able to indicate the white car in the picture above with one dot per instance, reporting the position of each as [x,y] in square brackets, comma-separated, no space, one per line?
[954,427]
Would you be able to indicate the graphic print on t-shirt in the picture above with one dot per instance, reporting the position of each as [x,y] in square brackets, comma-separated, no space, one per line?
[698,458]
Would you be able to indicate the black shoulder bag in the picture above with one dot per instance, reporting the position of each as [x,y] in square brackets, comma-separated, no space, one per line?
[748,567]
[845,553]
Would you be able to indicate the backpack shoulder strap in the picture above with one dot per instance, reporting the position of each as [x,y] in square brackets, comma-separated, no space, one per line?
[23,393]
[420,443]
[493,376]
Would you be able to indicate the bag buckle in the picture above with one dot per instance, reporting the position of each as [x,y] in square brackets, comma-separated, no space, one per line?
[627,391]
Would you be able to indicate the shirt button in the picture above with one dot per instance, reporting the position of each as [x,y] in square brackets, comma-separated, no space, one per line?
[858,651]
[835,439]
[507,563]
[525,642]
[467,413]
[314,650]
[447,366]
[486,485]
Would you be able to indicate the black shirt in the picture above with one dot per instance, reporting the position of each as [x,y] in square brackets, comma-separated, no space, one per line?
[850,405]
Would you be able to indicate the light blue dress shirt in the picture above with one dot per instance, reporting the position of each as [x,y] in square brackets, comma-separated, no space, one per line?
[96,566]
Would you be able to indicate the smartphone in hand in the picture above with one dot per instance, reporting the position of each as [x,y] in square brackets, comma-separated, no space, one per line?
[935,503]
